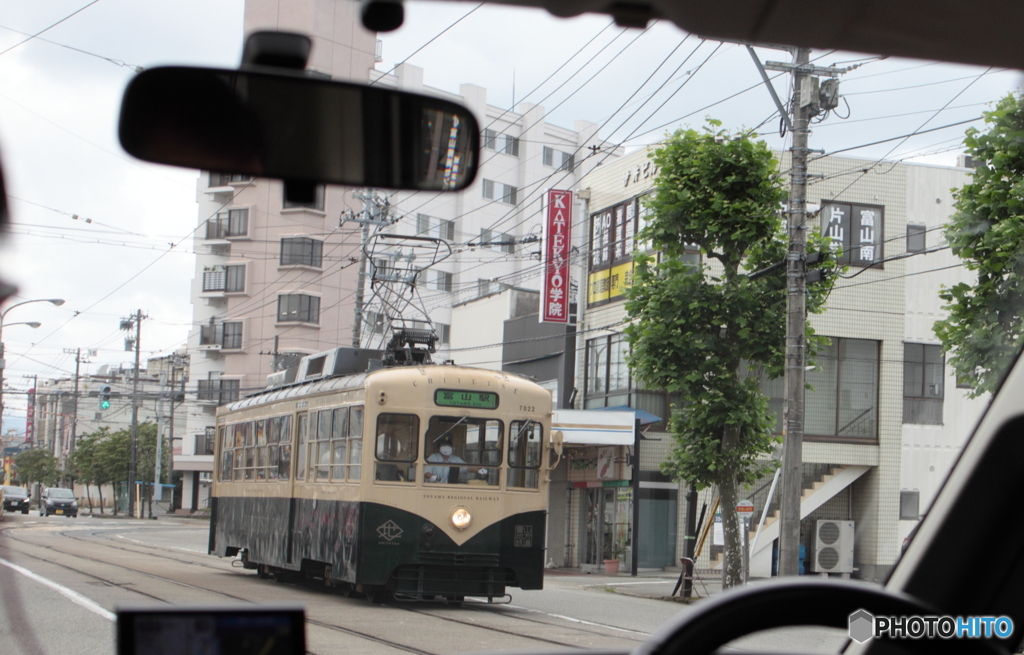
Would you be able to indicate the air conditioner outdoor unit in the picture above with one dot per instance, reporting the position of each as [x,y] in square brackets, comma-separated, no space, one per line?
[833,547]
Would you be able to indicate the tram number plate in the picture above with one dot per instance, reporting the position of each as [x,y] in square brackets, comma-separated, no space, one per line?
[524,536]
[475,399]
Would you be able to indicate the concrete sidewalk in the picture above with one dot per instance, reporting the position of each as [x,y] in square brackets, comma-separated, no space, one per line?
[657,584]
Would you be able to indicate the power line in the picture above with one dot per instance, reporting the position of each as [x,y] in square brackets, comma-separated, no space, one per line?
[46,29]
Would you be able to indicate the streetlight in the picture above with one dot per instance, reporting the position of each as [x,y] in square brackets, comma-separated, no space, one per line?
[32,324]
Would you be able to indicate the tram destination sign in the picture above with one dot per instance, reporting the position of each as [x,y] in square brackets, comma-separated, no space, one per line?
[474,399]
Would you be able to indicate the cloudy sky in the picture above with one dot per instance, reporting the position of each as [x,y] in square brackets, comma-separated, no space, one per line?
[111,235]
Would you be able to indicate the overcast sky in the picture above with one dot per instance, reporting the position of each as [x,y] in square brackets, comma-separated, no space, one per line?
[60,92]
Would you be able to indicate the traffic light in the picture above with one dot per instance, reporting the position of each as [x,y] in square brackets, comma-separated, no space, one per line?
[105,396]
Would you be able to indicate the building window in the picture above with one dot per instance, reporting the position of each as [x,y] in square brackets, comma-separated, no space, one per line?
[225,335]
[844,400]
[505,193]
[318,201]
[483,288]
[438,228]
[923,374]
[559,160]
[225,278]
[232,335]
[298,307]
[505,143]
[220,391]
[910,505]
[224,179]
[438,280]
[301,251]
[609,384]
[916,238]
[443,332]
[229,223]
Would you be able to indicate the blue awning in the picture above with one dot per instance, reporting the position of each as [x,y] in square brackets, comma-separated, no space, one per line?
[646,418]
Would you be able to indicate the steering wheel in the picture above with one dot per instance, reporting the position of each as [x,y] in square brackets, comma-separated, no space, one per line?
[784,603]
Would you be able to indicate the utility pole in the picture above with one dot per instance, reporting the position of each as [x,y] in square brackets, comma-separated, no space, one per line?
[796,321]
[366,218]
[127,324]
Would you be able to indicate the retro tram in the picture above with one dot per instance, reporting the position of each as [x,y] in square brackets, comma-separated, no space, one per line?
[418,481]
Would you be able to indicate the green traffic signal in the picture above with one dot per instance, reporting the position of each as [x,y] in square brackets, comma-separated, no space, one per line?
[104,404]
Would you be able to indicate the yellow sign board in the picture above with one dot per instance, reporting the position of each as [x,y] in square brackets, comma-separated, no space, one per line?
[609,284]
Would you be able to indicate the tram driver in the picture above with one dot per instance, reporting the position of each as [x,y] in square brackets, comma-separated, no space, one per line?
[443,474]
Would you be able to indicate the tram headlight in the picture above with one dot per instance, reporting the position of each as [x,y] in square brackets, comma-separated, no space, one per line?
[461,518]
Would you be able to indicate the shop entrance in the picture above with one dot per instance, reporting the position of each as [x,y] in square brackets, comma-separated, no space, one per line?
[607,525]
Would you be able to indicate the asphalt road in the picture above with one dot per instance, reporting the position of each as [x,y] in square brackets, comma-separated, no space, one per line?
[61,579]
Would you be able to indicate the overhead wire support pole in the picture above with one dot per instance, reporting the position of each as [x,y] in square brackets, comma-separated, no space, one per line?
[127,324]
[366,219]
[796,320]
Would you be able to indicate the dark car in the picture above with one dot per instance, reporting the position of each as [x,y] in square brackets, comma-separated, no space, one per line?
[57,500]
[16,499]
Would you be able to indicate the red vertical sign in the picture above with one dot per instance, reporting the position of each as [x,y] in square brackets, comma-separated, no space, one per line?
[30,416]
[554,297]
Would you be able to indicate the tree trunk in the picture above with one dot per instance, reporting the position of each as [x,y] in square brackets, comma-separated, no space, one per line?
[99,489]
[117,497]
[732,558]
[88,496]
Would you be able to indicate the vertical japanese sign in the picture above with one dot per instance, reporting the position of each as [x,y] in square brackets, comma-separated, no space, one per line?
[858,229]
[30,415]
[554,297]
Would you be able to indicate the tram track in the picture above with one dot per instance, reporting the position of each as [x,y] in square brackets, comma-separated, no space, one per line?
[104,538]
[408,607]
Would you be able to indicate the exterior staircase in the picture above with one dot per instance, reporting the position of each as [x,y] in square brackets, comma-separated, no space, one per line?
[814,496]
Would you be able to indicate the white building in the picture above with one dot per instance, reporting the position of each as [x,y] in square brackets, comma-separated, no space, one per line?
[885,420]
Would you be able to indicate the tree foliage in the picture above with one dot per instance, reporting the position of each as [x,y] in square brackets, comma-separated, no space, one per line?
[983,331]
[691,328]
[37,465]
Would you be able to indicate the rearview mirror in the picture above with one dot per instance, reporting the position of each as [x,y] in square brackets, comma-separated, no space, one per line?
[297,128]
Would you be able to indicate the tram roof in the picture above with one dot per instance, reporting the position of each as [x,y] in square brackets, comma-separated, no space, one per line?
[355,381]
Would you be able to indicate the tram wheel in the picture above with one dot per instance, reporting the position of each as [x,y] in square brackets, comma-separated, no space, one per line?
[454,600]
[263,571]
[378,596]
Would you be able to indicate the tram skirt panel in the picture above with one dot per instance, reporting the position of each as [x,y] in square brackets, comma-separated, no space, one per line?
[414,558]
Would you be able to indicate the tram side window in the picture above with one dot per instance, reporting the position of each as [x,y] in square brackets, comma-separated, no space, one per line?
[284,459]
[524,454]
[227,456]
[250,450]
[261,449]
[339,444]
[397,447]
[355,443]
[303,429]
[320,448]
[454,441]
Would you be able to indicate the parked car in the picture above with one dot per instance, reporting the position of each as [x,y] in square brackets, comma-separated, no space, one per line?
[57,500]
[15,499]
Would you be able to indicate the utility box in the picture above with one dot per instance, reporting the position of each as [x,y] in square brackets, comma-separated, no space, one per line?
[833,547]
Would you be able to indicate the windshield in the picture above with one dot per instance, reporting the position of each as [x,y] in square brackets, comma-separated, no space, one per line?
[714,264]
[14,492]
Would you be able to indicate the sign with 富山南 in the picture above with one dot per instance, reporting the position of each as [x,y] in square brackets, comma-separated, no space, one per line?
[857,229]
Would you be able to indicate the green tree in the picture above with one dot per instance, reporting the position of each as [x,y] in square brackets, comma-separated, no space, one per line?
[982,333]
[37,465]
[112,457]
[692,327]
[84,465]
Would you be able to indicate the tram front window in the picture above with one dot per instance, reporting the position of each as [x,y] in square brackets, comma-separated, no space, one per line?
[396,447]
[463,450]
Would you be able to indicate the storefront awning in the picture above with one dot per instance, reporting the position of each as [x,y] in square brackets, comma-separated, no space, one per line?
[591,427]
[646,418]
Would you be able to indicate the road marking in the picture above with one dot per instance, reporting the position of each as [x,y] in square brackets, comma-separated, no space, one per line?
[70,594]
[581,621]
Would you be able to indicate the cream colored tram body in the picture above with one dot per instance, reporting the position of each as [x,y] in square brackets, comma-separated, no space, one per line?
[421,482]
